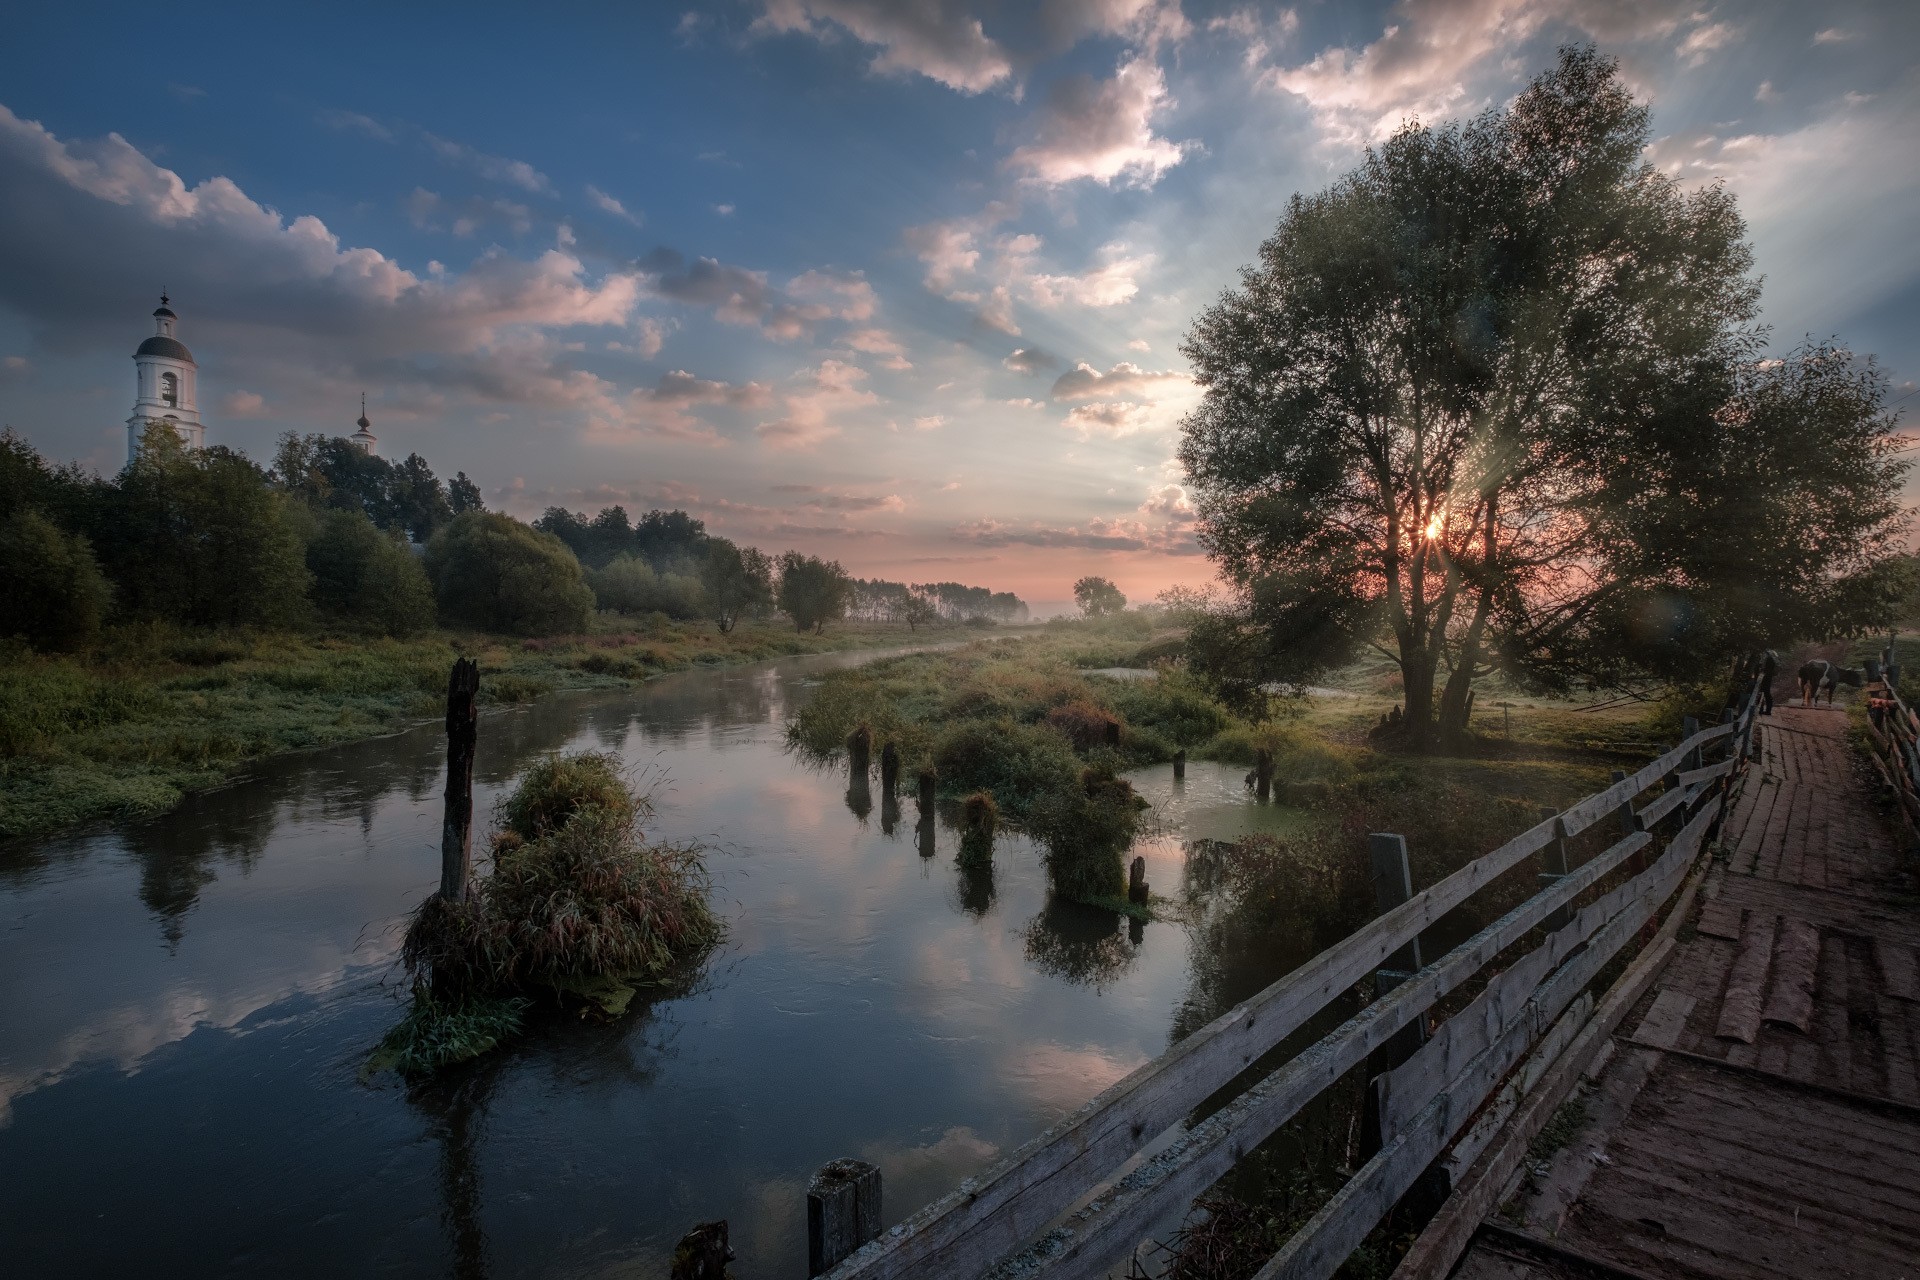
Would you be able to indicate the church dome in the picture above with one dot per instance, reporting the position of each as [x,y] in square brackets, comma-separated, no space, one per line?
[171,348]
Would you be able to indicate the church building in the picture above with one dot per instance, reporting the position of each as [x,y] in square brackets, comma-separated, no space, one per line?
[164,385]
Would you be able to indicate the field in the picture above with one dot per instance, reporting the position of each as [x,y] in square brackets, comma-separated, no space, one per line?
[155,711]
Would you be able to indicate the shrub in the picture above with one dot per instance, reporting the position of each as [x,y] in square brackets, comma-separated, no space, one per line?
[558,787]
[1087,830]
[491,572]
[1173,706]
[980,816]
[1083,724]
[1017,763]
[365,577]
[55,593]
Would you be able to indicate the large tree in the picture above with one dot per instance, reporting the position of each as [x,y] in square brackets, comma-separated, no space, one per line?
[812,591]
[1479,402]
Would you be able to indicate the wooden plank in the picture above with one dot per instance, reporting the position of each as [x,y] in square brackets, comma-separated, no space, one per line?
[1720,919]
[992,1215]
[1694,777]
[1747,981]
[1898,971]
[1599,805]
[1796,959]
[1666,1021]
[1105,1233]
[1487,1127]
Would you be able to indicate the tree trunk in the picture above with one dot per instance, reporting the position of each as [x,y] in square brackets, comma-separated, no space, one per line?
[1416,675]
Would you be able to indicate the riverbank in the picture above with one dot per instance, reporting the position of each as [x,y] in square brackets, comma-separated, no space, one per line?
[155,712]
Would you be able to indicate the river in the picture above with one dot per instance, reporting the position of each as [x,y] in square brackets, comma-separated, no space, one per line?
[187,1003]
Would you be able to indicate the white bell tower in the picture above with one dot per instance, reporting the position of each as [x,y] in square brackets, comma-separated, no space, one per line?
[164,385]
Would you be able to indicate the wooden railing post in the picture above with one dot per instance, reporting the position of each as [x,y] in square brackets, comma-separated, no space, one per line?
[1690,725]
[1553,863]
[1392,886]
[843,1212]
[463,731]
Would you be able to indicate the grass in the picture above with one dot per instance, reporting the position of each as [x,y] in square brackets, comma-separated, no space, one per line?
[154,711]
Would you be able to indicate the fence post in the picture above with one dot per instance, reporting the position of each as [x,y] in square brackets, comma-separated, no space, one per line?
[1392,886]
[463,731]
[1689,726]
[1553,860]
[843,1212]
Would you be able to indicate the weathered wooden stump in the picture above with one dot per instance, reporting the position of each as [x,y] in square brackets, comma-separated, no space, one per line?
[463,732]
[889,769]
[843,1212]
[702,1254]
[1137,882]
[1180,766]
[1263,774]
[859,751]
[928,779]
[925,832]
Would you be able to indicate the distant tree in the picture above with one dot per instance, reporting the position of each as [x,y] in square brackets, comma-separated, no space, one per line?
[569,528]
[463,495]
[629,585]
[67,495]
[813,592]
[202,536]
[493,573]
[610,534]
[1096,596]
[669,537]
[738,581]
[917,611]
[1489,403]
[417,502]
[56,595]
[365,577]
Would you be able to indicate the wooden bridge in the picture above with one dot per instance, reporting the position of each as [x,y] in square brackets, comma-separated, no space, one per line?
[1719,974]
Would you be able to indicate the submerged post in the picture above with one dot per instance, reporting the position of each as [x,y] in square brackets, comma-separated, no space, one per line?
[1137,882]
[927,781]
[889,769]
[843,1212]
[859,751]
[463,730]
[1180,765]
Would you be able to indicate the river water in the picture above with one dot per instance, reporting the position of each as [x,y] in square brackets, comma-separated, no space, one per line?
[186,1003]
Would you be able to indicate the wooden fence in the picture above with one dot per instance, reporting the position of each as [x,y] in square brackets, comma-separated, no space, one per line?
[1030,1215]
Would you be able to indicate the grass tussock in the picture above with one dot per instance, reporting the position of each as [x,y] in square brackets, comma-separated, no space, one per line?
[576,902]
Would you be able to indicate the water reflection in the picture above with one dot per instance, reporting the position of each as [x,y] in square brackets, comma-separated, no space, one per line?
[867,1001]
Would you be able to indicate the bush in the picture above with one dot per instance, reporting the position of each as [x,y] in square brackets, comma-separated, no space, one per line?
[1017,763]
[629,585]
[1172,706]
[365,577]
[1087,830]
[1083,724]
[491,572]
[55,593]
[558,787]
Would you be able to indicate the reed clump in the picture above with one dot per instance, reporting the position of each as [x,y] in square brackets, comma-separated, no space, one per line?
[577,903]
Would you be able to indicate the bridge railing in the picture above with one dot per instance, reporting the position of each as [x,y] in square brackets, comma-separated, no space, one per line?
[1013,1219]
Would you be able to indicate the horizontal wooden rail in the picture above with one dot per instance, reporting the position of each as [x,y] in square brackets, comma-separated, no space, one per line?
[995,1215]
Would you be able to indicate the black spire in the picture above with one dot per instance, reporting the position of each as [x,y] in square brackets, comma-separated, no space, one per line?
[363,423]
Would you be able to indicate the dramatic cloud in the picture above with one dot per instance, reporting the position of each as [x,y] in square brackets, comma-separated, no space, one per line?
[1117,418]
[1104,286]
[1084,382]
[878,342]
[743,297]
[825,394]
[1101,130]
[1703,40]
[934,38]
[1030,360]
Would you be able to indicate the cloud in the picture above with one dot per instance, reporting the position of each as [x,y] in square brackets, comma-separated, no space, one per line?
[429,211]
[1169,501]
[1700,43]
[931,422]
[1116,418]
[878,342]
[827,392]
[934,38]
[724,210]
[607,204]
[1030,360]
[1101,130]
[948,250]
[1095,535]
[186,92]
[1148,23]
[1831,35]
[1139,344]
[14,368]
[677,386]
[243,404]
[826,499]
[842,295]
[354,122]
[1084,382]
[1104,286]
[517,173]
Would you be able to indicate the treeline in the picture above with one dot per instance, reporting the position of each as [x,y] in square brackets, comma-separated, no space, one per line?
[334,537]
[878,600]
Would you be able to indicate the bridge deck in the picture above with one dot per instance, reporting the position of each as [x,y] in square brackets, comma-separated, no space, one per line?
[1723,1140]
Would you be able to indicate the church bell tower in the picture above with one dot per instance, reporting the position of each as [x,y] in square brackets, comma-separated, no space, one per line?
[164,385]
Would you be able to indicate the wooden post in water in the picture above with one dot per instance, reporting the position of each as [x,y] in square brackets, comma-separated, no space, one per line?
[889,769]
[927,780]
[463,730]
[1180,765]
[859,751]
[1262,774]
[1137,882]
[1553,864]
[702,1254]
[843,1212]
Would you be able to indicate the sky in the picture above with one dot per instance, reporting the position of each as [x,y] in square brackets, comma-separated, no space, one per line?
[901,284]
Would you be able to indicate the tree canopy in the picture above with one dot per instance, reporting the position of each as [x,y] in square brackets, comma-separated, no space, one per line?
[813,592]
[1096,596]
[490,571]
[1491,401]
